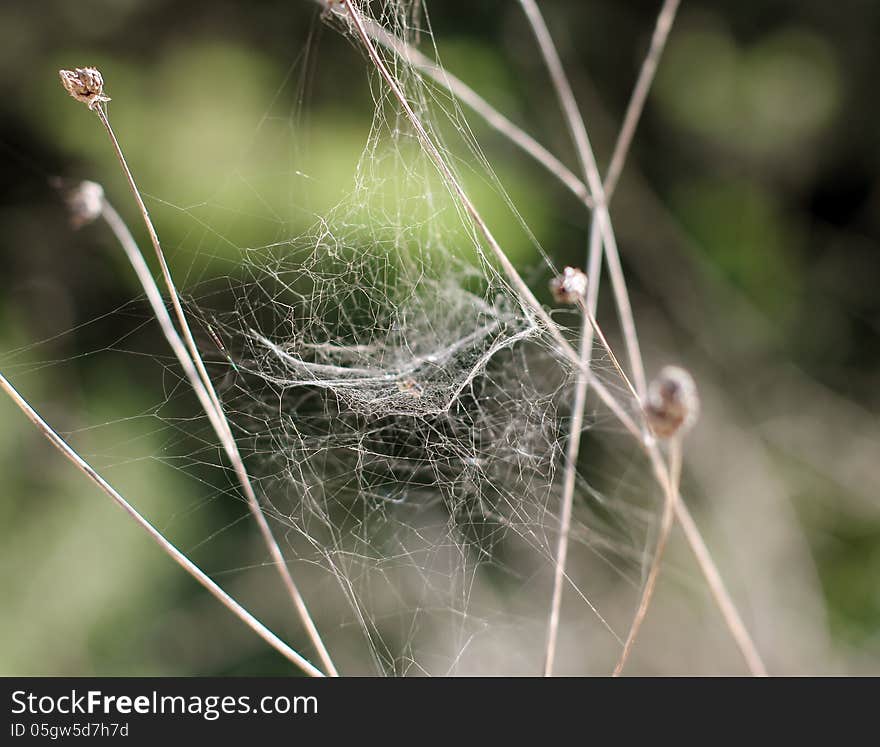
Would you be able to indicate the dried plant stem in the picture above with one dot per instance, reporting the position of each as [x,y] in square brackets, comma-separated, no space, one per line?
[672,477]
[719,591]
[573,446]
[145,277]
[201,382]
[636,105]
[590,319]
[246,617]
[571,455]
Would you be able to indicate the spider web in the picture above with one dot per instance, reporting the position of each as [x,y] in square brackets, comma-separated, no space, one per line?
[405,416]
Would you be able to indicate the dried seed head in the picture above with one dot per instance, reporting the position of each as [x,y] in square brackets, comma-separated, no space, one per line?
[84,202]
[672,405]
[85,84]
[570,286]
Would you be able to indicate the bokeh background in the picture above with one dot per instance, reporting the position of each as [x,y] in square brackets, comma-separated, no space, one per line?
[748,218]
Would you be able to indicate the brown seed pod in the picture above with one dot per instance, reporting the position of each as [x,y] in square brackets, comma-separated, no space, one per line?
[569,287]
[85,84]
[672,405]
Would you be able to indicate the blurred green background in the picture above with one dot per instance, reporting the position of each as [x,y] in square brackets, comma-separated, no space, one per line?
[748,217]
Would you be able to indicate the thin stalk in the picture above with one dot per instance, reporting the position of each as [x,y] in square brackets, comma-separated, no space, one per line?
[636,105]
[246,617]
[672,477]
[145,277]
[709,570]
[573,447]
[571,455]
[218,420]
[590,319]
[719,591]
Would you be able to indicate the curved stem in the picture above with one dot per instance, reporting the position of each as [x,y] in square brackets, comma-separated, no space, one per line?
[573,448]
[671,478]
[201,382]
[246,617]
[719,591]
[571,456]
[636,105]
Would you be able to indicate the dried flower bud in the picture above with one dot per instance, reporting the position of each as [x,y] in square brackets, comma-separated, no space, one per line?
[570,286]
[672,405]
[85,84]
[84,201]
